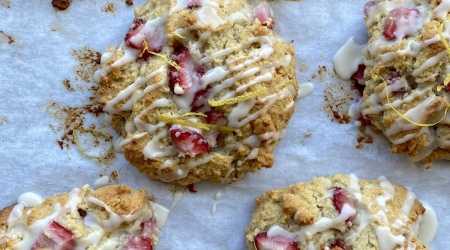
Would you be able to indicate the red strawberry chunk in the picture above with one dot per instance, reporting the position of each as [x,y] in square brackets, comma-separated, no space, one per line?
[188,142]
[338,244]
[358,76]
[55,236]
[136,243]
[400,22]
[193,4]
[138,33]
[447,88]
[368,7]
[264,242]
[215,117]
[82,213]
[191,188]
[341,197]
[148,228]
[187,76]
[134,30]
[264,14]
[200,99]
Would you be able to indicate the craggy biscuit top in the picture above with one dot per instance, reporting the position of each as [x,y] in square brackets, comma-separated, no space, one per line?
[338,212]
[406,95]
[111,217]
[199,89]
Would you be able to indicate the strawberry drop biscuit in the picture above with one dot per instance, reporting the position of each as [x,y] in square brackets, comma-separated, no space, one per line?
[112,217]
[406,95]
[339,212]
[199,89]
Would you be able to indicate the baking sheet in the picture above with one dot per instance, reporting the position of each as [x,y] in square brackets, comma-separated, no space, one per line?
[39,87]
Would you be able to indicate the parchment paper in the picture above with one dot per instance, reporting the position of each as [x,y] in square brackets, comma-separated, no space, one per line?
[34,66]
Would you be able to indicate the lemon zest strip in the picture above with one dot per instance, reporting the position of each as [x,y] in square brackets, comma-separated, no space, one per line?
[172,63]
[94,132]
[178,35]
[199,125]
[193,114]
[447,47]
[404,116]
[237,99]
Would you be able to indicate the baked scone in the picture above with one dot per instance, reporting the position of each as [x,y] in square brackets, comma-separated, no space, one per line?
[406,95]
[112,217]
[337,212]
[199,89]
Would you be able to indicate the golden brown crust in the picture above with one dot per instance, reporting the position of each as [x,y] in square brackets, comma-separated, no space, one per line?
[304,204]
[230,156]
[122,199]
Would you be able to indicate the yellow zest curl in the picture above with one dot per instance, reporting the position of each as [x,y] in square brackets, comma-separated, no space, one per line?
[199,125]
[404,116]
[193,114]
[177,35]
[93,132]
[447,47]
[237,99]
[172,63]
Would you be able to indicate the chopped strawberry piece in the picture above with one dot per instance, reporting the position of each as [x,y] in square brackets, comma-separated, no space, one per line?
[264,14]
[82,213]
[55,236]
[134,30]
[447,88]
[136,243]
[193,4]
[201,70]
[365,121]
[391,79]
[264,242]
[358,76]
[338,244]
[341,197]
[368,7]
[400,22]
[215,117]
[138,33]
[187,76]
[191,188]
[200,99]
[188,142]
[148,228]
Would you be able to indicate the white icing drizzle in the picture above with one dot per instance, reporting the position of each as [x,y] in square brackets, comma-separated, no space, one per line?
[161,212]
[347,59]
[177,195]
[101,182]
[430,62]
[428,225]
[305,89]
[217,197]
[30,199]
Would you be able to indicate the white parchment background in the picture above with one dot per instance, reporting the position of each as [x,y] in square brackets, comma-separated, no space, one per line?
[33,67]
